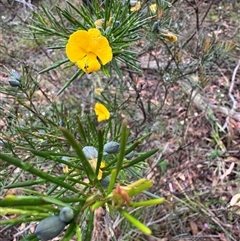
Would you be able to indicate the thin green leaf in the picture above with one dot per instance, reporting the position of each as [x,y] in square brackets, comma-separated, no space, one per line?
[116,67]
[27,167]
[84,13]
[89,226]
[79,233]
[78,149]
[55,201]
[30,237]
[72,20]
[69,232]
[146,230]
[19,220]
[123,143]
[53,156]
[138,189]
[6,211]
[112,181]
[81,131]
[100,149]
[79,74]
[143,157]
[54,66]
[147,203]
[14,201]
[25,184]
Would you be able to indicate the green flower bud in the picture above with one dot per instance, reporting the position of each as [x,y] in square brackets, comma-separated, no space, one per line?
[130,155]
[49,228]
[105,182]
[90,152]
[66,215]
[111,147]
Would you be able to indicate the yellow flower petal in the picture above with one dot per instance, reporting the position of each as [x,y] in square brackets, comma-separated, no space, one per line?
[99,177]
[153,8]
[170,37]
[89,49]
[65,169]
[98,91]
[93,163]
[102,165]
[99,45]
[89,63]
[103,51]
[76,48]
[102,112]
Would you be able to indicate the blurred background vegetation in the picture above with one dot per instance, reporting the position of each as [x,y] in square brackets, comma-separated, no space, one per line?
[186,100]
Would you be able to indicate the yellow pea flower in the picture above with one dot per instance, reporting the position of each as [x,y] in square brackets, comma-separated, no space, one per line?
[88,49]
[153,8]
[102,112]
[98,91]
[136,7]
[170,37]
[65,169]
[99,23]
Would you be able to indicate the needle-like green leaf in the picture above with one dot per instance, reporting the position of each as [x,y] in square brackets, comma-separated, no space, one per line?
[29,168]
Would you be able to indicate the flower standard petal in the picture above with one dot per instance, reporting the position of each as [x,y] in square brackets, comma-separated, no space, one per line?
[102,112]
[103,50]
[100,46]
[77,46]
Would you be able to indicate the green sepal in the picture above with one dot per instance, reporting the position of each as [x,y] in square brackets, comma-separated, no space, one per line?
[146,230]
